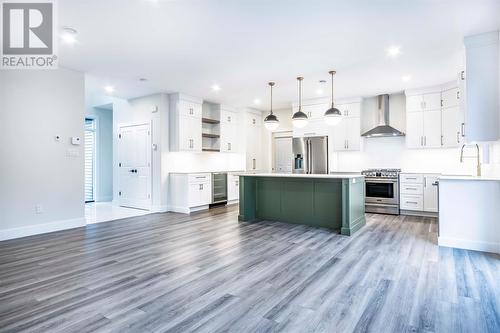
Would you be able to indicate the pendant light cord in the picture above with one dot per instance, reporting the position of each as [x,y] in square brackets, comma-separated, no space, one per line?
[300,93]
[332,72]
[271,98]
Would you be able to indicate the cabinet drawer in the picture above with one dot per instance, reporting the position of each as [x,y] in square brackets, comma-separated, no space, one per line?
[411,178]
[412,189]
[198,178]
[412,202]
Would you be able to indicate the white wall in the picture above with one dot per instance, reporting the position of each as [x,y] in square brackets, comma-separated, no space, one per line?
[35,106]
[104,152]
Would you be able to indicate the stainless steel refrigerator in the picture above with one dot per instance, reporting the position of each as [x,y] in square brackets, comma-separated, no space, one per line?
[310,155]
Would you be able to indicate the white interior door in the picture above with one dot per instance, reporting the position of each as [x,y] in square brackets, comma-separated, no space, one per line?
[283,155]
[134,149]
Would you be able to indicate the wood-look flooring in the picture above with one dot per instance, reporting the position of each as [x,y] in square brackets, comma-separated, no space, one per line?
[209,273]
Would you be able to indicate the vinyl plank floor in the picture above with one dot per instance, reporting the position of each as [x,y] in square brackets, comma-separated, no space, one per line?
[207,272]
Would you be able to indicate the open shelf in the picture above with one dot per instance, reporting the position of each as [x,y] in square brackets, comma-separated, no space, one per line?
[210,121]
[210,149]
[209,135]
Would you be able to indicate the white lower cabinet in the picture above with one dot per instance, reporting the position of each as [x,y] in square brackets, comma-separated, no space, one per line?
[189,192]
[417,192]
[233,187]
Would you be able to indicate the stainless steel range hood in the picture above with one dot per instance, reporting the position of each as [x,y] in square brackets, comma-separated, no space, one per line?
[383,129]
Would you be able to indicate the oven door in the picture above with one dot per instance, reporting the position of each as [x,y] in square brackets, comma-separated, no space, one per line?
[382,191]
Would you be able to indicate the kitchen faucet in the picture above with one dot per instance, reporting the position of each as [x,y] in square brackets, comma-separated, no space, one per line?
[478,166]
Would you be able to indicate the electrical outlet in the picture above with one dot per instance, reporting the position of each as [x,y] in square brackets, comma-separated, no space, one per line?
[39,209]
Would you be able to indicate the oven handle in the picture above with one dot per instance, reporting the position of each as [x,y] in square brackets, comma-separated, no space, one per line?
[378,181]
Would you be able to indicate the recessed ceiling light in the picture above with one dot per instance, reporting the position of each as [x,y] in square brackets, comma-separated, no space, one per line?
[68,35]
[320,92]
[406,78]
[215,87]
[109,89]
[256,101]
[393,51]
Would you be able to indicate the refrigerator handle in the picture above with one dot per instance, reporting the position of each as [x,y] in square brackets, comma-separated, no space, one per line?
[310,157]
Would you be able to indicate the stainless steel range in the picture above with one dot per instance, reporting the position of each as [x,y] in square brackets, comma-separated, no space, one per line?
[382,191]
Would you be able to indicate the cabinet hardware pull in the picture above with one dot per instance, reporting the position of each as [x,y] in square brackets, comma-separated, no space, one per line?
[462,75]
[441,103]
[411,202]
[458,94]
[462,129]
[458,137]
[442,144]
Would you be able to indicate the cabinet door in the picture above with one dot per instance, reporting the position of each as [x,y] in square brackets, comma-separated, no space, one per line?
[189,109]
[205,194]
[451,123]
[351,110]
[450,97]
[228,117]
[430,194]
[414,129]
[339,134]
[229,138]
[432,129]
[315,111]
[353,133]
[194,131]
[432,101]
[233,188]
[414,103]
[186,141]
[194,190]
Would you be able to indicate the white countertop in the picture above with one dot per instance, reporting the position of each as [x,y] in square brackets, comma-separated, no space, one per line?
[302,175]
[193,172]
[461,177]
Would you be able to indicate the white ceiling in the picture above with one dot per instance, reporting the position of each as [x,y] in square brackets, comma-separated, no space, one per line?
[188,46]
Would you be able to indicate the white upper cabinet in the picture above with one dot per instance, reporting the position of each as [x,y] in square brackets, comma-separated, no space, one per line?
[481,87]
[432,129]
[185,123]
[229,138]
[350,109]
[423,102]
[253,128]
[450,97]
[451,126]
[433,117]
[313,111]
[347,134]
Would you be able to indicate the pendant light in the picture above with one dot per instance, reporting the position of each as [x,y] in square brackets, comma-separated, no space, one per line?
[332,115]
[299,118]
[271,122]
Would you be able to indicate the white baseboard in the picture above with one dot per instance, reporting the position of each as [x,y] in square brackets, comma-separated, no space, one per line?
[186,210]
[159,209]
[491,247]
[43,228]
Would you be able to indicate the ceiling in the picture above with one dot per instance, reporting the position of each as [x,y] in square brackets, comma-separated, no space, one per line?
[188,46]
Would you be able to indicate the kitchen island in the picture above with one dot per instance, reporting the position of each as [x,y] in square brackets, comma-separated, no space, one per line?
[334,201]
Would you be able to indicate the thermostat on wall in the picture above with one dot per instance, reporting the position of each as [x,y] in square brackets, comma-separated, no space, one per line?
[75,140]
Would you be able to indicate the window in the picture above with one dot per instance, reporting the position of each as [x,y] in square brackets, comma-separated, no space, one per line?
[90,163]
